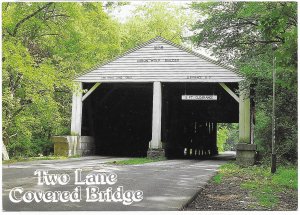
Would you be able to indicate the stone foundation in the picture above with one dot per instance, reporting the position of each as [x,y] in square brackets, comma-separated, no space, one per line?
[87,146]
[155,153]
[245,154]
[73,145]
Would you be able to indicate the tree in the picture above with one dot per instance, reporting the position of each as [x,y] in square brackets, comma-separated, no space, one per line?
[155,19]
[44,46]
[242,34]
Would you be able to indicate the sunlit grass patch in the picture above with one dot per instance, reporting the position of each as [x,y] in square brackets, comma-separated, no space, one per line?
[286,177]
[218,178]
[251,185]
[266,195]
[134,161]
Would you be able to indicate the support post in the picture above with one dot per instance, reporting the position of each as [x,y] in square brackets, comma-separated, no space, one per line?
[90,91]
[76,111]
[244,119]
[245,151]
[155,145]
[229,91]
[214,138]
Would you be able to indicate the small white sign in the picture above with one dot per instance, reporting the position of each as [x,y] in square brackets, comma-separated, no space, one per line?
[199,97]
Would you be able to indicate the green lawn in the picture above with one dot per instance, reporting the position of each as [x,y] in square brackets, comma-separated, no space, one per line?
[264,186]
[134,161]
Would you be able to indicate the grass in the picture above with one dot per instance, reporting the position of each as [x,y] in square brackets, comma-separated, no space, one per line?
[265,187]
[15,160]
[286,177]
[218,178]
[134,161]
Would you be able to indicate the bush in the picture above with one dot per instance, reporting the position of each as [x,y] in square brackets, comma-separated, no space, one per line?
[29,147]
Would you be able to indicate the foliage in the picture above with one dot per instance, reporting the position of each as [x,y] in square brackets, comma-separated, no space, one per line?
[243,34]
[46,44]
[222,135]
[233,136]
[227,136]
[155,19]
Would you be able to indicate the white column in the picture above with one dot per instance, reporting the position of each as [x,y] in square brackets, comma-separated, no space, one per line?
[76,111]
[156,117]
[244,118]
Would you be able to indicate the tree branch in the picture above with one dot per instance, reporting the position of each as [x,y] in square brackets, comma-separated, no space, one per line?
[28,17]
[53,34]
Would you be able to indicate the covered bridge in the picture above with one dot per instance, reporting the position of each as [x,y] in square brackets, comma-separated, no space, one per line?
[159,99]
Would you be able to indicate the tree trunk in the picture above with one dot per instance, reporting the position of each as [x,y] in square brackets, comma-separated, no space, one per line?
[4,153]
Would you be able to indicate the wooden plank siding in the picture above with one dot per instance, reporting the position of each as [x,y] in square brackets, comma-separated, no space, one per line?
[164,61]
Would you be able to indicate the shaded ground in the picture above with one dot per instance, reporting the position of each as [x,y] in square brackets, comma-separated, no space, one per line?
[228,195]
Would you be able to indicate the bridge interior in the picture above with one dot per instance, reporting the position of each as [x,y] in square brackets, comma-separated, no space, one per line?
[189,127]
[119,117]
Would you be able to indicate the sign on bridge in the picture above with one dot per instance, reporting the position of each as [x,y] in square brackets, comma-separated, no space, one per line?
[199,97]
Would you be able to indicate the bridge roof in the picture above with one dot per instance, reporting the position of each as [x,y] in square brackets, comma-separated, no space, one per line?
[161,60]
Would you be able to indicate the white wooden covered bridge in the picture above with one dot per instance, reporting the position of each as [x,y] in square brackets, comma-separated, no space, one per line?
[159,99]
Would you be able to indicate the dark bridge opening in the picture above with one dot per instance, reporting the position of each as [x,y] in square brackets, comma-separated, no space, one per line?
[119,117]
[189,127]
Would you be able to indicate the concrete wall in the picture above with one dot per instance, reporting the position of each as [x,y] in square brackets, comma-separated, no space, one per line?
[245,154]
[73,145]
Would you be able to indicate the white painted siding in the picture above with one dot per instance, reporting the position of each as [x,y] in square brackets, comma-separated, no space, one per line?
[171,63]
